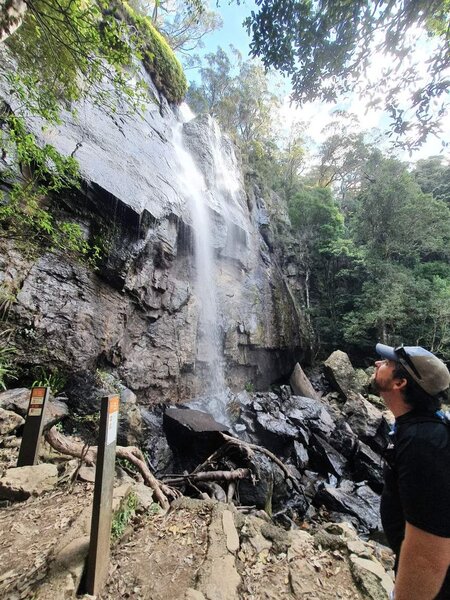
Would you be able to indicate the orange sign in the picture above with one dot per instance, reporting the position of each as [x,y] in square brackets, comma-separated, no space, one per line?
[113,404]
[113,419]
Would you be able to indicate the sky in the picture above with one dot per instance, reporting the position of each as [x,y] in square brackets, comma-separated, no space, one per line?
[318,114]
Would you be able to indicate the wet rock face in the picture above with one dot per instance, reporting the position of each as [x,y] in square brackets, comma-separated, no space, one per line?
[137,315]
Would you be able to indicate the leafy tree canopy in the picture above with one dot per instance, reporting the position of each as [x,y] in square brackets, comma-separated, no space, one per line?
[325,48]
[183,23]
[433,176]
[237,93]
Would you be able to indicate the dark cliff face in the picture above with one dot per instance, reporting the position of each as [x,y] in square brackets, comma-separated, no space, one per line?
[137,314]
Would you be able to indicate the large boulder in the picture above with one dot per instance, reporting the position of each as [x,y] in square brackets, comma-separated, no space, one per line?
[16,400]
[309,413]
[358,501]
[341,373]
[325,459]
[362,416]
[300,384]
[129,432]
[368,466]
[20,483]
[192,435]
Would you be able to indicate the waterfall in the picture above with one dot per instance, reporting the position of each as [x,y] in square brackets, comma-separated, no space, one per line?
[209,350]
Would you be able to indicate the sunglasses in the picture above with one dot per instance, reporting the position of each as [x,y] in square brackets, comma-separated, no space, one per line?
[405,360]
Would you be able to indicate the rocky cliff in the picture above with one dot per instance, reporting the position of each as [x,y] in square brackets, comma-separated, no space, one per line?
[137,314]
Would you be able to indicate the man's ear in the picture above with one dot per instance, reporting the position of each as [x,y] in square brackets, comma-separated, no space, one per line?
[400,383]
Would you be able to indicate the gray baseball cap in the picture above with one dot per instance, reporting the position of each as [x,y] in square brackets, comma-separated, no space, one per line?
[426,369]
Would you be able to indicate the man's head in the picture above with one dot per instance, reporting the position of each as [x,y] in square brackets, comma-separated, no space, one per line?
[415,373]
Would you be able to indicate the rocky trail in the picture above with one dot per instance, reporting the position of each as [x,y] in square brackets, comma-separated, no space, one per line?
[199,550]
[282,505]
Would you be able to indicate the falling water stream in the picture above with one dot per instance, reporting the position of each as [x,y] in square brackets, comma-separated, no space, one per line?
[209,341]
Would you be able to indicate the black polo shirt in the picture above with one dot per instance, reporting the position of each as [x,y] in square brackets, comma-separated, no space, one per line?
[417,481]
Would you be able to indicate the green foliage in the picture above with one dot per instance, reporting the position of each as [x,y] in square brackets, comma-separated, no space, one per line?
[249,387]
[375,266]
[242,102]
[158,57]
[395,220]
[53,379]
[123,516]
[184,22]
[433,176]
[26,210]
[315,215]
[325,48]
[64,51]
[7,353]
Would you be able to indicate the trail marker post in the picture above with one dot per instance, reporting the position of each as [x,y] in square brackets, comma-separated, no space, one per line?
[34,423]
[99,546]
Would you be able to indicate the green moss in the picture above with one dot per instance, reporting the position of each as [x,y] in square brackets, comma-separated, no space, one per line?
[158,57]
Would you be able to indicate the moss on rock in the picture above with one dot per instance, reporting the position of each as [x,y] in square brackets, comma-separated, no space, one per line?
[158,57]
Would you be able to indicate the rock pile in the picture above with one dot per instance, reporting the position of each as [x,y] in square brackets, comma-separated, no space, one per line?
[331,445]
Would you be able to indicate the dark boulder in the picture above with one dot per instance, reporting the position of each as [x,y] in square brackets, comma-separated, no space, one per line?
[360,502]
[325,459]
[309,413]
[343,439]
[192,435]
[274,433]
[368,466]
[301,457]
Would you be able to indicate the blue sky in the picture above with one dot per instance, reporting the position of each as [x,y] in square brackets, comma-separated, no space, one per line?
[232,31]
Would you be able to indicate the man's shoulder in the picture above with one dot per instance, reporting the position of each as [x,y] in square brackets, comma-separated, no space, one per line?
[419,434]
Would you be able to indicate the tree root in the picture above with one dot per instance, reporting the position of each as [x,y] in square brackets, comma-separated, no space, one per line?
[250,447]
[64,445]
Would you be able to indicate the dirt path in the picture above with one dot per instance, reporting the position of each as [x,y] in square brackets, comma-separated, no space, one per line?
[30,531]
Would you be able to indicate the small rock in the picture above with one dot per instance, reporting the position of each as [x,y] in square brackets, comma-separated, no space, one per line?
[87,474]
[9,421]
[371,578]
[20,483]
[229,529]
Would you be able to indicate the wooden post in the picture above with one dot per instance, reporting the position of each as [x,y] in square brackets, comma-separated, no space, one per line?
[32,432]
[99,546]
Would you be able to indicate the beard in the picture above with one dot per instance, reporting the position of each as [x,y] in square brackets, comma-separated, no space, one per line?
[379,386]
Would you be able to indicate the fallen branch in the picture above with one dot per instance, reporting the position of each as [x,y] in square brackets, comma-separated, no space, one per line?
[234,441]
[220,452]
[65,445]
[210,476]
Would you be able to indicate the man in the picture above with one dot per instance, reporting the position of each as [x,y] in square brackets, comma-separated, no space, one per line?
[415,504]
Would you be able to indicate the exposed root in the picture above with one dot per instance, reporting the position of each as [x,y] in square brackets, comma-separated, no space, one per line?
[65,445]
